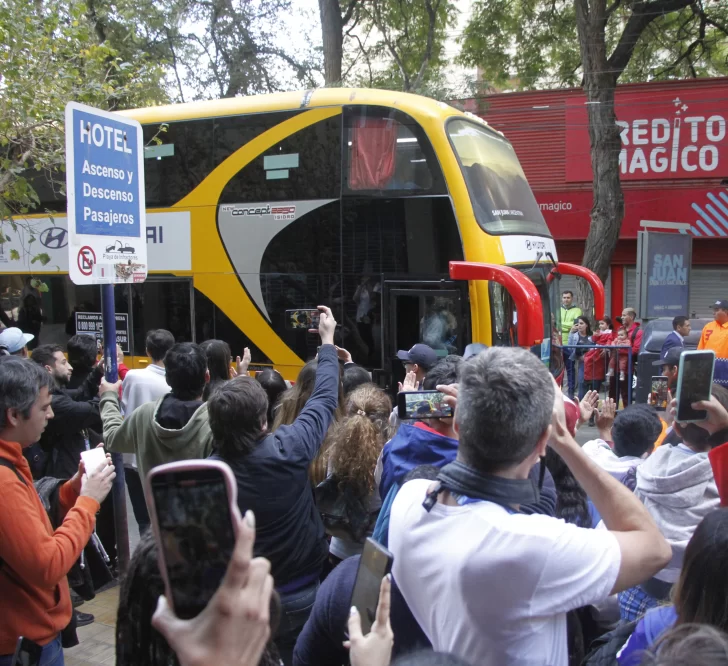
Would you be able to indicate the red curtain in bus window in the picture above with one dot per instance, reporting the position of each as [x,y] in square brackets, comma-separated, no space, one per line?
[373,146]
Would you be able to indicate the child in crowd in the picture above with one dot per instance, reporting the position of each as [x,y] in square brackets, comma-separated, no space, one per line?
[619,357]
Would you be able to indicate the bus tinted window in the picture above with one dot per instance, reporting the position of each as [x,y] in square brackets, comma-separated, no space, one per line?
[164,304]
[211,323]
[401,235]
[502,200]
[387,151]
[174,167]
[233,132]
[304,165]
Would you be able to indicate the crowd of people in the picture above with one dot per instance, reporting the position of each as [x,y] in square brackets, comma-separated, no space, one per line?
[511,543]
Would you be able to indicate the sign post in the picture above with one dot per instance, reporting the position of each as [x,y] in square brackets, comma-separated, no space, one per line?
[663,274]
[106,235]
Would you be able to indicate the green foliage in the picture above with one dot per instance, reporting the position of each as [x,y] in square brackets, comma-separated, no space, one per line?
[51,55]
[526,44]
[224,48]
[400,45]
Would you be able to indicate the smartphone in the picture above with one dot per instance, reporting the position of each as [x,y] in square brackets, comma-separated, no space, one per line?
[302,320]
[694,383]
[659,393]
[375,564]
[27,652]
[194,516]
[422,405]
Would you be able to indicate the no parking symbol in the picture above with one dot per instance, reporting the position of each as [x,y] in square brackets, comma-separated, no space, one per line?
[86,260]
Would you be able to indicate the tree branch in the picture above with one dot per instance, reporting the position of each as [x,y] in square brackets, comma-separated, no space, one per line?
[636,24]
[175,67]
[613,7]
[432,23]
[689,51]
[379,23]
[349,12]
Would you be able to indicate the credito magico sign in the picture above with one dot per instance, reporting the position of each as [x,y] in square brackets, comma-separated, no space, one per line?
[662,137]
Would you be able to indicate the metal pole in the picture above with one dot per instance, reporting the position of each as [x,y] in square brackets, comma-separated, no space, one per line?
[118,490]
[630,369]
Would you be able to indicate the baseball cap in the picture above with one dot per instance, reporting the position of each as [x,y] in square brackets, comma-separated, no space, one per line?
[474,349]
[671,358]
[13,339]
[723,305]
[422,354]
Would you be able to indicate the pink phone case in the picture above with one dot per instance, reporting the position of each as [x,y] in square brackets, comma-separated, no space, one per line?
[188,466]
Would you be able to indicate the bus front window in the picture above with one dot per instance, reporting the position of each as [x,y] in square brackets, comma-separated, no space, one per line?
[503,316]
[502,199]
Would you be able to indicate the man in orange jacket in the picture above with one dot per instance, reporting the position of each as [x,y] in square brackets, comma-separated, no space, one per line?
[35,601]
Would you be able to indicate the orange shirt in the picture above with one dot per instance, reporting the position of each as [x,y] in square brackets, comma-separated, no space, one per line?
[715,337]
[34,598]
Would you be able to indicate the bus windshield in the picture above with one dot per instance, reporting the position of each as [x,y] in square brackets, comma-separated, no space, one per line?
[502,200]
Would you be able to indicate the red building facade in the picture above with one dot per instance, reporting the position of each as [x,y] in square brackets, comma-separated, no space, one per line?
[673,165]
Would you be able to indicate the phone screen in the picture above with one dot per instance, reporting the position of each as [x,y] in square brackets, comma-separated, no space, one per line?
[694,384]
[27,653]
[303,320]
[375,564]
[422,405]
[196,531]
[659,393]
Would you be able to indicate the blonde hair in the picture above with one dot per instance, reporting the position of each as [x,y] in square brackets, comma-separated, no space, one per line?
[356,441]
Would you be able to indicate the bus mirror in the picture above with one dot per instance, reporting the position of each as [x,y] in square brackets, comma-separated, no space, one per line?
[522,290]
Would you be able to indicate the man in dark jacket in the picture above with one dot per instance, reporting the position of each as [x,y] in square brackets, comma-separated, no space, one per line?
[76,410]
[82,355]
[272,476]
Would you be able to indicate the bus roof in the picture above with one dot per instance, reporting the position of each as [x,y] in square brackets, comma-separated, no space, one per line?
[414,105]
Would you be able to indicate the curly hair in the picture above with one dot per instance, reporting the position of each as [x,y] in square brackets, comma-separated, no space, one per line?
[357,440]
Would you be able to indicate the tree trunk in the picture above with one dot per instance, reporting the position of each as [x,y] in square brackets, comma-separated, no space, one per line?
[599,86]
[333,40]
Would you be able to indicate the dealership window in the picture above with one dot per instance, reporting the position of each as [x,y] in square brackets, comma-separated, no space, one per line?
[60,300]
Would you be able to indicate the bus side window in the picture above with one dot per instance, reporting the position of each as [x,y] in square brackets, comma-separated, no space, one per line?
[303,166]
[387,151]
[176,160]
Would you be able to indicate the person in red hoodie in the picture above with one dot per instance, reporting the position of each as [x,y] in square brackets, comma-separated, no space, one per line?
[35,601]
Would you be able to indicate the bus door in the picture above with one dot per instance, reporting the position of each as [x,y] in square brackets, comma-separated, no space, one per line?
[161,302]
[435,313]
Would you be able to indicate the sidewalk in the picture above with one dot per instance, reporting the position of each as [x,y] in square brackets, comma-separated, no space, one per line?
[97,641]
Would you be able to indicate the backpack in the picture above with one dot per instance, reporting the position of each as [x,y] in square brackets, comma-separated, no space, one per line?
[604,650]
[344,515]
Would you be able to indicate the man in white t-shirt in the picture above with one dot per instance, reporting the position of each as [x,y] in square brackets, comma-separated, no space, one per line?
[485,582]
[139,387]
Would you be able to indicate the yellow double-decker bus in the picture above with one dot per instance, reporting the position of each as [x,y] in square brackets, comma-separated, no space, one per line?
[359,199]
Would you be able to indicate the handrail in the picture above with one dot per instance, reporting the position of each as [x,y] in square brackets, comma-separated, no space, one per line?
[522,290]
[594,282]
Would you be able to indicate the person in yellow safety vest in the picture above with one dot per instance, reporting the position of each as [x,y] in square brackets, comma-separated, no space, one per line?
[569,313]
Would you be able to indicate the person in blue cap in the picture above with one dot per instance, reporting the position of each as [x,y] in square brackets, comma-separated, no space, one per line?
[420,359]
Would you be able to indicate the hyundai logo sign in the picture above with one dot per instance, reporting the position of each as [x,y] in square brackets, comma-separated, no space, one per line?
[54,238]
